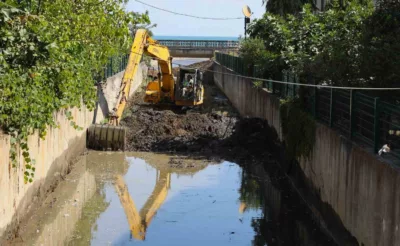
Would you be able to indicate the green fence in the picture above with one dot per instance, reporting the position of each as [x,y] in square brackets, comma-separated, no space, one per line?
[234,63]
[115,65]
[367,120]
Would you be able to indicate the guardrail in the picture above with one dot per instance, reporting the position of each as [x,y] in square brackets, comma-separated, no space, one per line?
[364,119]
[211,44]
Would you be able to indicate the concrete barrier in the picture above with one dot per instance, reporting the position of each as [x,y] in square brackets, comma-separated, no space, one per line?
[246,99]
[358,185]
[54,156]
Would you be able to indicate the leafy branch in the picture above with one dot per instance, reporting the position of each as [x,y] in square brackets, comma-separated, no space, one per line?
[48,61]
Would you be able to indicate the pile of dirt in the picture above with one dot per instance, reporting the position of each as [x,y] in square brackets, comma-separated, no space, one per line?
[212,130]
[162,130]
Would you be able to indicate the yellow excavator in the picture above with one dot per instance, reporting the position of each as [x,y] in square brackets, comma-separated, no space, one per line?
[187,90]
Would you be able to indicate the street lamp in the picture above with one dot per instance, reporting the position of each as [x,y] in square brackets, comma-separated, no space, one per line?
[247,13]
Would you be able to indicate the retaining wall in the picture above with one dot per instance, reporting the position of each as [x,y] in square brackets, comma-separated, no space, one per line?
[359,186]
[54,155]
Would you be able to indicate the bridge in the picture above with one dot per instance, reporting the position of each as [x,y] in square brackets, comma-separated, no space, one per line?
[198,48]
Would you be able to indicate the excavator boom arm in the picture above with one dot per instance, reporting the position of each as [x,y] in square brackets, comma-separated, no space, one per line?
[142,44]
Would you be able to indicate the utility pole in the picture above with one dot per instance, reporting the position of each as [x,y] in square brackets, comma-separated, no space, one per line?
[247,13]
[246,21]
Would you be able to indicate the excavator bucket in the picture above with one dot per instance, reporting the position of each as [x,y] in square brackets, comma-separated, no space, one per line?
[106,137]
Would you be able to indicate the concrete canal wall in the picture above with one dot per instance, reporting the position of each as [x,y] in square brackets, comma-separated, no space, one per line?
[362,189]
[54,155]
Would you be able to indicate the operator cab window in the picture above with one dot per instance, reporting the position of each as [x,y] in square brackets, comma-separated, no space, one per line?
[188,81]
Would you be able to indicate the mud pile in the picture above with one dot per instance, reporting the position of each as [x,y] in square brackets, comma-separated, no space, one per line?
[212,130]
[162,130]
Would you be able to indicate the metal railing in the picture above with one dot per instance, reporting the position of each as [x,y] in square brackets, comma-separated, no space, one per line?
[367,120]
[210,44]
[115,65]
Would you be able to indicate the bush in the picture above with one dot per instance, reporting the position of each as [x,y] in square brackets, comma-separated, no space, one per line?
[348,45]
[49,55]
[380,44]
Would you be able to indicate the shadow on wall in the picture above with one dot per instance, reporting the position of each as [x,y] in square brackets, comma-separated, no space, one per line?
[101,104]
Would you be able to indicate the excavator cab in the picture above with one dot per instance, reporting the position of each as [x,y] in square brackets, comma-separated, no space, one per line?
[189,90]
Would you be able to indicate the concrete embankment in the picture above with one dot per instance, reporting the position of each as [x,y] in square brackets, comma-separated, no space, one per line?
[354,184]
[54,156]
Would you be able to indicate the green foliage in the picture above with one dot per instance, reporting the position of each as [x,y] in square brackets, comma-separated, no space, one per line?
[257,84]
[49,55]
[294,7]
[265,47]
[105,121]
[253,51]
[141,21]
[285,7]
[380,52]
[326,45]
[298,128]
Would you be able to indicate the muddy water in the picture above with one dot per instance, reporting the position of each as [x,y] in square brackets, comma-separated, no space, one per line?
[152,199]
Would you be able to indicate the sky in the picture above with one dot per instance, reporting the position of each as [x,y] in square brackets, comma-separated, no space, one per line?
[174,25]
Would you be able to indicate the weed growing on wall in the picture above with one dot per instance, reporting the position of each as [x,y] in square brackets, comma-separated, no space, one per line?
[298,128]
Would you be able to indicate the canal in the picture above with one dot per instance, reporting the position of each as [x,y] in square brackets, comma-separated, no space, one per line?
[155,199]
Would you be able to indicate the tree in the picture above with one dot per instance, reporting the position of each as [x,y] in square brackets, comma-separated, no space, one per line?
[380,53]
[50,50]
[140,24]
[265,46]
[294,7]
[326,45]
[285,7]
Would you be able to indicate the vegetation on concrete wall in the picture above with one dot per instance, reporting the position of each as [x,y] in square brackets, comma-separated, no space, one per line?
[298,128]
[50,52]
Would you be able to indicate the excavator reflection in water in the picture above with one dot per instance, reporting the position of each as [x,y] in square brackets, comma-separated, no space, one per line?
[140,220]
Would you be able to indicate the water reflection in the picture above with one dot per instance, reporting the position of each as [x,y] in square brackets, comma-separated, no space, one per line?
[139,221]
[183,201]
[152,199]
[286,220]
[250,197]
[62,212]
